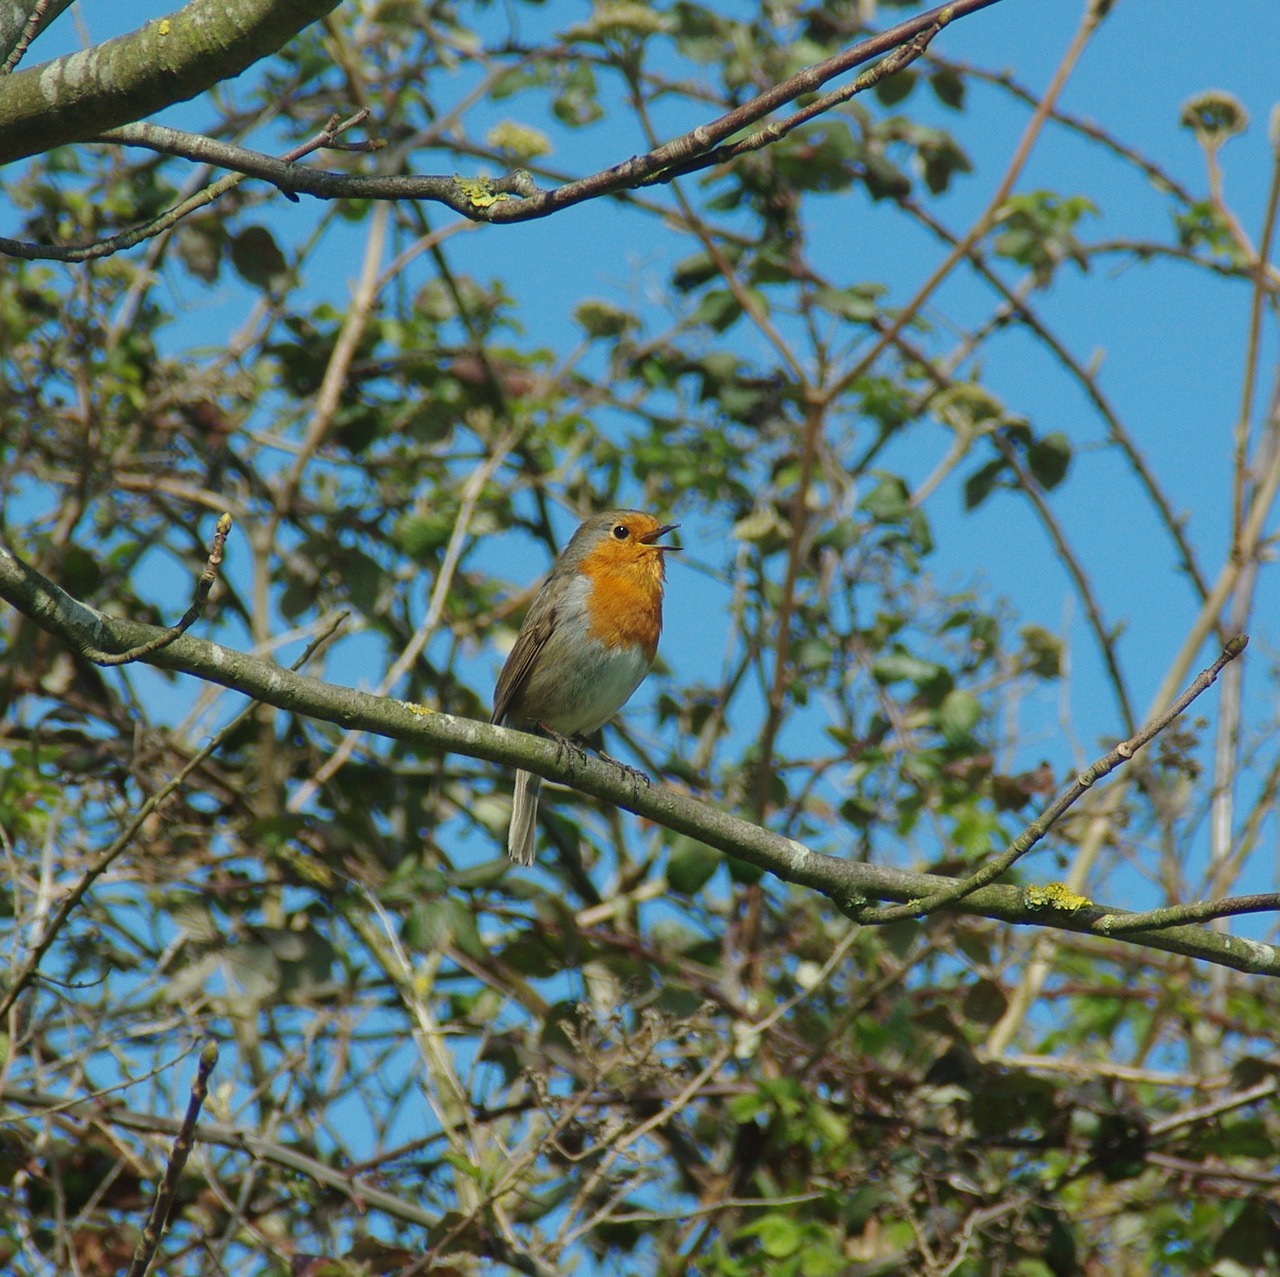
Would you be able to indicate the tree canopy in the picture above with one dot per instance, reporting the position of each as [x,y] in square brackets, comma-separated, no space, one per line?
[940,940]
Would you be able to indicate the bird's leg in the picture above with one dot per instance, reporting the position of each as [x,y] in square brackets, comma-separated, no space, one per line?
[578,746]
[573,744]
[638,777]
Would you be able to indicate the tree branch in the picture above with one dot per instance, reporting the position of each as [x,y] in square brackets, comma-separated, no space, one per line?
[165,61]
[204,583]
[166,1194]
[198,147]
[849,884]
[20,22]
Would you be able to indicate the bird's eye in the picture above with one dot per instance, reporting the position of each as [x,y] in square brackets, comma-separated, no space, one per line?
[621,532]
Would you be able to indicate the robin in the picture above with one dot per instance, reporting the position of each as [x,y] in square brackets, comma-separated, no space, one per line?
[586,645]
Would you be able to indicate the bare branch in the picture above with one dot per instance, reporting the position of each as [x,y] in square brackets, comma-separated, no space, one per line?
[901,57]
[516,197]
[172,139]
[203,585]
[158,1220]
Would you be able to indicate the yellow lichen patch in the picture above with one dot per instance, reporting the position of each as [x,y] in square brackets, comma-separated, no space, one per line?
[479,191]
[421,710]
[1055,896]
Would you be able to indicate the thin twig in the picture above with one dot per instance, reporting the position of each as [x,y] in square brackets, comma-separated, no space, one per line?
[1215,1108]
[458,537]
[894,62]
[1019,307]
[151,135]
[1160,178]
[1196,911]
[203,585]
[166,1194]
[1106,639]
[1037,830]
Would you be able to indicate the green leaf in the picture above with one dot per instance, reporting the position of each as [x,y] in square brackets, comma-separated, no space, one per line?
[602,319]
[949,87]
[577,103]
[1049,459]
[984,1003]
[258,259]
[859,303]
[1042,651]
[779,1235]
[200,245]
[980,485]
[884,179]
[894,667]
[518,141]
[959,713]
[691,864]
[694,271]
[743,872]
[940,160]
[895,88]
[889,501]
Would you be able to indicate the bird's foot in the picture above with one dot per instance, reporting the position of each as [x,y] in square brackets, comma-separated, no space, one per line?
[638,777]
[573,745]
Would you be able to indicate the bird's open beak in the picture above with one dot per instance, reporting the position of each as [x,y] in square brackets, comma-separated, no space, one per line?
[650,537]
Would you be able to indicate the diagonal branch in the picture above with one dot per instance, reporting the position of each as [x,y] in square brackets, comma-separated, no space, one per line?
[167,1193]
[901,57]
[165,61]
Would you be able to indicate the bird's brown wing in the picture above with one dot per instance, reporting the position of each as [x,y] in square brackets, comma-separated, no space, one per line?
[515,673]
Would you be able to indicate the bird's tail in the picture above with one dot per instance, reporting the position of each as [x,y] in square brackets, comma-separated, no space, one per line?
[524,818]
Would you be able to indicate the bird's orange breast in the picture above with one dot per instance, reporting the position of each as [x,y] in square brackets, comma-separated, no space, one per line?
[624,607]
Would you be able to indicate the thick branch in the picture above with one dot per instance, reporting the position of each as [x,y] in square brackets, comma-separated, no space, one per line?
[848,884]
[166,61]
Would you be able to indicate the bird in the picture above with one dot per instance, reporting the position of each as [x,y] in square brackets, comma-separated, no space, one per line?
[589,639]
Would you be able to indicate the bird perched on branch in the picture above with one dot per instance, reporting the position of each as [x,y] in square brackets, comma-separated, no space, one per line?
[588,641]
